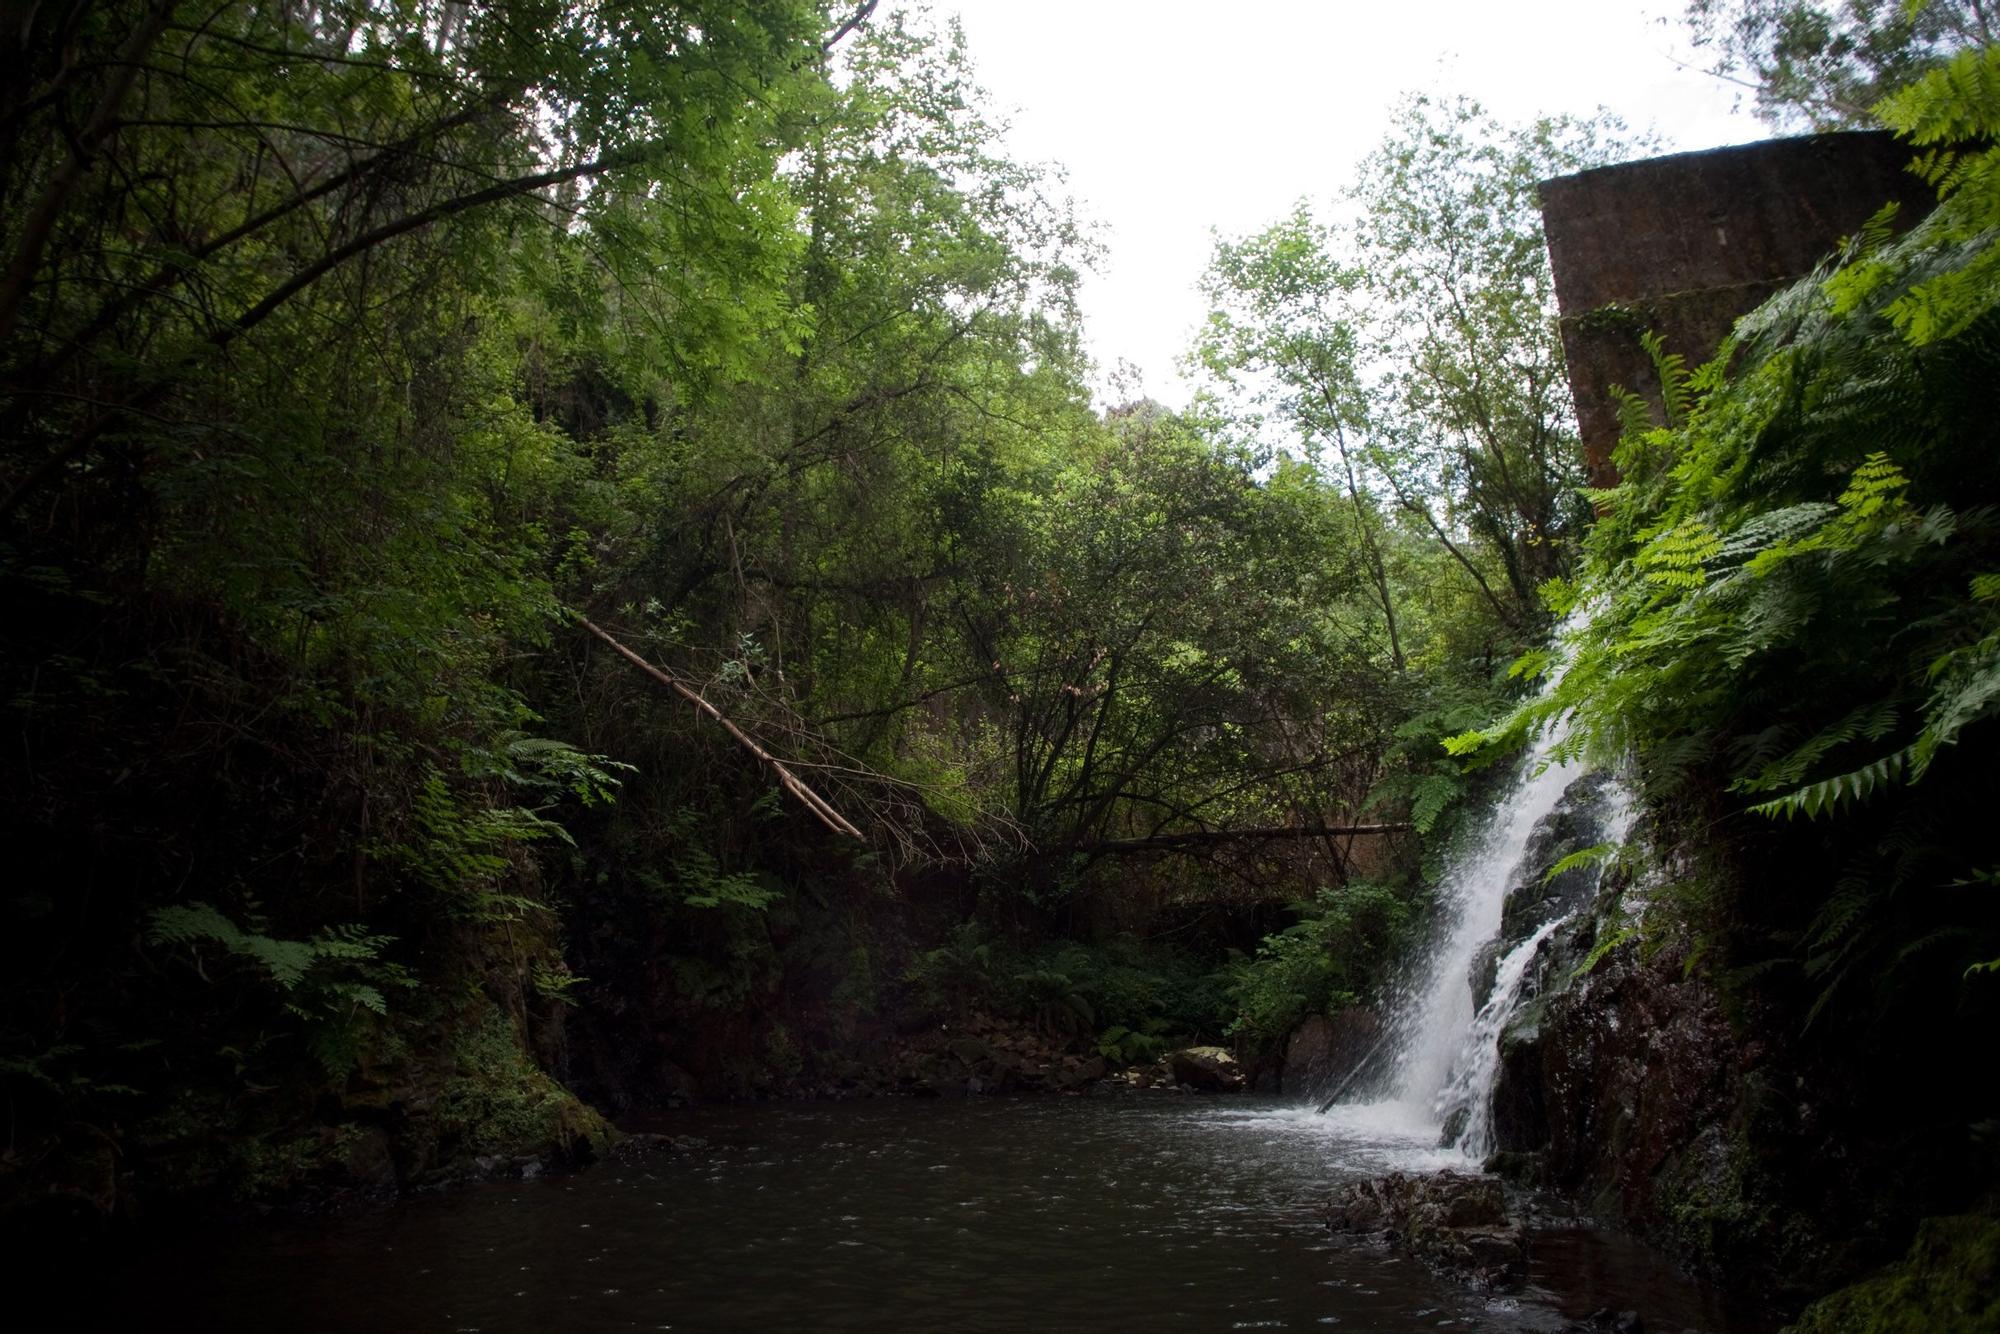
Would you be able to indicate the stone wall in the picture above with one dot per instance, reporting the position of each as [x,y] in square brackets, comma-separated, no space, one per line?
[1684,245]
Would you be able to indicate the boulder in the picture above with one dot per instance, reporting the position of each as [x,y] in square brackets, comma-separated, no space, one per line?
[1083,1072]
[1211,1069]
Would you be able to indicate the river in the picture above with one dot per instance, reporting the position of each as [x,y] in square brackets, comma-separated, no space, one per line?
[1132,1211]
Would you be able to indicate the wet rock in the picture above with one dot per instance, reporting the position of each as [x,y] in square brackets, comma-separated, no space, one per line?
[1485,971]
[1520,1110]
[1580,820]
[1454,1126]
[1523,1169]
[1210,1069]
[1453,1221]
[1325,1049]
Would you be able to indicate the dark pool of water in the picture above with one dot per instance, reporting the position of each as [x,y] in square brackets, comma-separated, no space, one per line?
[1141,1212]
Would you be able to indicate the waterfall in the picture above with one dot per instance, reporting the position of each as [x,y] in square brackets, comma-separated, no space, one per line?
[1434,1019]
[1469,1085]
[1447,1054]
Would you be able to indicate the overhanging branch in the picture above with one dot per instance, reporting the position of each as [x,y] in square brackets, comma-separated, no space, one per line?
[793,784]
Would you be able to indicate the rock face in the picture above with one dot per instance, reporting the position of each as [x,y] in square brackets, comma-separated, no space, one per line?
[1581,819]
[1452,1221]
[1325,1049]
[1951,1281]
[1630,1089]
[1211,1069]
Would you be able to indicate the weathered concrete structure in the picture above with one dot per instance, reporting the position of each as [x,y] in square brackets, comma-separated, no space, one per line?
[1684,245]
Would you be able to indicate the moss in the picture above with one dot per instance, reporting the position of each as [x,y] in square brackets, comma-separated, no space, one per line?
[495,1100]
[1706,1200]
[1949,1283]
[781,1053]
[1615,318]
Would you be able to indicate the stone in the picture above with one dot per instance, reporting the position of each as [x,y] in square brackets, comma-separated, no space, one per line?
[1579,821]
[1083,1072]
[971,1051]
[1682,245]
[1484,972]
[1209,1069]
[1453,1221]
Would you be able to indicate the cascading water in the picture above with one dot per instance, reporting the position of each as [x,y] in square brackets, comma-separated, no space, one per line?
[1470,1083]
[1447,1054]
[1435,1017]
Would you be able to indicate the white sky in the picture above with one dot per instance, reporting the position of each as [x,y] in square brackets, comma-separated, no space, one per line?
[1175,117]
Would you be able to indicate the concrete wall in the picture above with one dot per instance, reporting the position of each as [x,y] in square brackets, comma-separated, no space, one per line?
[1684,245]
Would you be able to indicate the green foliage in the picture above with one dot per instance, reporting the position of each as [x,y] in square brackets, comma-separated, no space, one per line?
[1334,957]
[1789,594]
[956,976]
[1136,999]
[330,981]
[1947,1281]
[1417,350]
[699,878]
[1821,64]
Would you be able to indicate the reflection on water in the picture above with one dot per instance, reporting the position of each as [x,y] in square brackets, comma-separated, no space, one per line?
[1142,1212]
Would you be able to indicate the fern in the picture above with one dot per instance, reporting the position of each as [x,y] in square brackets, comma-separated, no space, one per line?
[284,962]
[1790,592]
[1608,942]
[1430,795]
[1829,794]
[1597,855]
[1671,368]
[327,981]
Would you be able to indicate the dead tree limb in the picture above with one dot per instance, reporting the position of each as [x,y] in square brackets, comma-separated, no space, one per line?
[812,800]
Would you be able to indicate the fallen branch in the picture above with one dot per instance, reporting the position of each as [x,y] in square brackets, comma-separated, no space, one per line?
[1354,1075]
[812,800]
[1200,837]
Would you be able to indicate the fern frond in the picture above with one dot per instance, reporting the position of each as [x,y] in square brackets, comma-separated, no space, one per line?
[1671,368]
[1870,722]
[1956,103]
[1831,794]
[1595,855]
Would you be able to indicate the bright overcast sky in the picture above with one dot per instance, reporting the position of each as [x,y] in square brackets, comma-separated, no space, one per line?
[1175,117]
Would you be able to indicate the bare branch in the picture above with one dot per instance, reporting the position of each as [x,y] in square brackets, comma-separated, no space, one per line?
[792,783]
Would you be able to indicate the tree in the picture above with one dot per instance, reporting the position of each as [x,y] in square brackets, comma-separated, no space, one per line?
[1417,345]
[1823,64]
[174,180]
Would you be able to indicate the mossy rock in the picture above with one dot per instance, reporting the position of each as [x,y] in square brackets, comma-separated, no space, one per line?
[1949,1285]
[497,1102]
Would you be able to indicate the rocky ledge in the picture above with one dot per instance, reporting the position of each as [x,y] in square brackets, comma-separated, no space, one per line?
[1455,1222]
